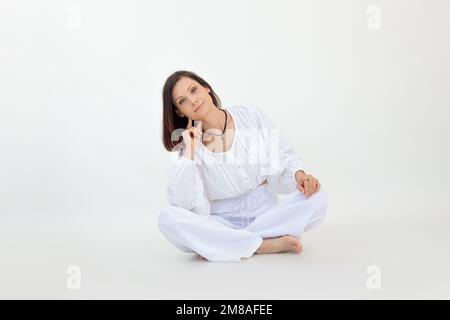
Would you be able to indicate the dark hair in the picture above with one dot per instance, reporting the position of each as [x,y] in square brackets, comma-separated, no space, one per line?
[171,120]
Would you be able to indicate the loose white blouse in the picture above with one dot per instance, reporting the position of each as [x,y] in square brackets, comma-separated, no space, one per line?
[259,151]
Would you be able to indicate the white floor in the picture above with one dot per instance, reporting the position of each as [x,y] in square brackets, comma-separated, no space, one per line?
[122,261]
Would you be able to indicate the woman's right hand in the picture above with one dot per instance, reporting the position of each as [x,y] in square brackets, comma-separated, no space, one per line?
[191,136]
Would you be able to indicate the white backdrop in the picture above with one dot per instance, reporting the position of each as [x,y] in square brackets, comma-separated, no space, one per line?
[360,87]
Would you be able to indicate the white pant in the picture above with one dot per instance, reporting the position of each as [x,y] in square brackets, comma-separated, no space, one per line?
[237,226]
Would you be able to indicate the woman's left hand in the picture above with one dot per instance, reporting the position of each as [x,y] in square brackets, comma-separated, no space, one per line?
[306,183]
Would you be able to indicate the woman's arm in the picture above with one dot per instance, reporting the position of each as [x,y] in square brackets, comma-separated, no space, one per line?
[286,164]
[185,187]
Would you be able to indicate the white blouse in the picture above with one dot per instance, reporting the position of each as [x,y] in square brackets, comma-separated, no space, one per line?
[259,151]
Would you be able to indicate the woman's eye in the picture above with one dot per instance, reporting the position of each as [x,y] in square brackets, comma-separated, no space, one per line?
[181,101]
[193,89]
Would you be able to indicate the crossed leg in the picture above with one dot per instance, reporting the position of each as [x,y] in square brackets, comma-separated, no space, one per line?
[277,230]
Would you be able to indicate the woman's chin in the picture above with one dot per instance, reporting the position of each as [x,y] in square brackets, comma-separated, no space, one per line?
[202,111]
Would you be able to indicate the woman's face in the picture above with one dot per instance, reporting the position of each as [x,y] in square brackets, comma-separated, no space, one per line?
[191,99]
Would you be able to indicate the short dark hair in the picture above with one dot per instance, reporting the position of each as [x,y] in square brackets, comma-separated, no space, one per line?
[171,120]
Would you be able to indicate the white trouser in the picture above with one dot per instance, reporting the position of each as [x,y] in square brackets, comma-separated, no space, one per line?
[237,226]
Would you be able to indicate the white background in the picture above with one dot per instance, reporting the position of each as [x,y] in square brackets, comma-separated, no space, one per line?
[83,171]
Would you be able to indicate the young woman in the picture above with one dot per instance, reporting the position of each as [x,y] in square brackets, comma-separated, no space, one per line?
[231,164]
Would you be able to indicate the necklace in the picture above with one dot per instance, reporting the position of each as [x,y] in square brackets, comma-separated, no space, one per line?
[224,127]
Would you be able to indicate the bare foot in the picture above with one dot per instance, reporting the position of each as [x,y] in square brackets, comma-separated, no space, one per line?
[280,244]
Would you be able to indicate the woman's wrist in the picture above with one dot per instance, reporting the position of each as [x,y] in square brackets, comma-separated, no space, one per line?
[188,154]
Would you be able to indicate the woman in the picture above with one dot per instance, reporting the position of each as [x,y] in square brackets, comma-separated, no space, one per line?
[231,164]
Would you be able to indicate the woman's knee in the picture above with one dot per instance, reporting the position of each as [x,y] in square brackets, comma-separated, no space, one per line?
[320,200]
[167,217]
[320,210]
[168,220]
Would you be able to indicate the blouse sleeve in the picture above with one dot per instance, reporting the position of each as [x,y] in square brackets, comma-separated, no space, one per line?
[185,187]
[284,163]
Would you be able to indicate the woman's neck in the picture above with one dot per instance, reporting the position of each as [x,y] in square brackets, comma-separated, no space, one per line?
[214,119]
